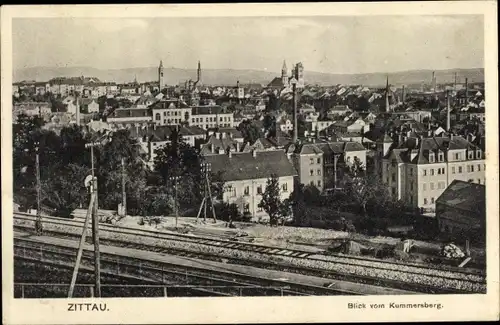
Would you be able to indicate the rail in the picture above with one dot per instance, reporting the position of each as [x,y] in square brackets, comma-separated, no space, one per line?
[261,249]
[161,269]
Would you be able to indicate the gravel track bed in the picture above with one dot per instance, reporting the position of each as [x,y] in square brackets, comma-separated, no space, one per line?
[327,263]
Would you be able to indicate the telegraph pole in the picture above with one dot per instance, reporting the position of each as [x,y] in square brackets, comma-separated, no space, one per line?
[124,195]
[95,224]
[38,222]
[174,179]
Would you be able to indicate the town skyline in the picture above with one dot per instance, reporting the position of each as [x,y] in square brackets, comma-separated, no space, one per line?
[426,42]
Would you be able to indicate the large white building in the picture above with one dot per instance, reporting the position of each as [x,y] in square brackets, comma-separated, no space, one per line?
[246,174]
[419,169]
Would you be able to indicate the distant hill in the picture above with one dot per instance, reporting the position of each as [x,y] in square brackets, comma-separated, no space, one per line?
[230,76]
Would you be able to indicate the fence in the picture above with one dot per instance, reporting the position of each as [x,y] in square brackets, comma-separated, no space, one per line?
[88,289]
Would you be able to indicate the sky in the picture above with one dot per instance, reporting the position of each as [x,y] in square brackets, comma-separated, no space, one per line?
[333,44]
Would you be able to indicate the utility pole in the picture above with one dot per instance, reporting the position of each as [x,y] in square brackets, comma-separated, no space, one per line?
[38,222]
[174,179]
[124,195]
[95,224]
[207,194]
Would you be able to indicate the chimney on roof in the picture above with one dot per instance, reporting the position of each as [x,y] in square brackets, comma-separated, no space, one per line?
[212,148]
[237,146]
[254,153]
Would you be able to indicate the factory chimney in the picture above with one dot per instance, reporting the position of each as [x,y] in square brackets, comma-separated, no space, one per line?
[387,106]
[434,82]
[77,111]
[404,94]
[466,90]
[448,122]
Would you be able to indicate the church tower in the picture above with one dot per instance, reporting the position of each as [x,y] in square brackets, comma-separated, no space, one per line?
[161,78]
[284,74]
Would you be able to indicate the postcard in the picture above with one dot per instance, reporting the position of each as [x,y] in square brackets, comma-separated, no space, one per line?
[250,163]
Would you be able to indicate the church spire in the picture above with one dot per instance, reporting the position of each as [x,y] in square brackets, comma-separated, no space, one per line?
[284,70]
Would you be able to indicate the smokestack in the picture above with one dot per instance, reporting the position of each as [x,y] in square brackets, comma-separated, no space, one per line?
[433,82]
[466,90]
[387,107]
[448,126]
[77,111]
[455,84]
[404,94]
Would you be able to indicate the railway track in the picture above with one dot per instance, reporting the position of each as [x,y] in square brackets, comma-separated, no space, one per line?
[223,282]
[272,252]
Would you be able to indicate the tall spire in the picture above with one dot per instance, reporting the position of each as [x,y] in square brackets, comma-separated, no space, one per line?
[161,63]
[161,78]
[284,70]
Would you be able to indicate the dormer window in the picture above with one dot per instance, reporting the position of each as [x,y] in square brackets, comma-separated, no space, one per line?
[440,156]
[432,157]
[478,154]
[470,155]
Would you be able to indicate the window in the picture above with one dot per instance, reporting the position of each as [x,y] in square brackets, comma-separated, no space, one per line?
[387,167]
[432,157]
[259,189]
[459,169]
[479,181]
[424,187]
[319,161]
[439,171]
[432,200]
[471,155]
[312,183]
[246,191]
[472,168]
[393,190]
[440,157]
[431,185]
[158,116]
[319,183]
[285,187]
[453,170]
[411,186]
[478,168]
[232,191]
[425,201]
[247,207]
[311,172]
[432,172]
[311,161]
[425,172]
[319,171]
[468,168]
[393,177]
[456,156]
[411,171]
[441,185]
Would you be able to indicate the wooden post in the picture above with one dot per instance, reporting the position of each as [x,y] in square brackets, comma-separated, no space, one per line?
[211,198]
[124,195]
[80,246]
[165,291]
[95,232]
[38,222]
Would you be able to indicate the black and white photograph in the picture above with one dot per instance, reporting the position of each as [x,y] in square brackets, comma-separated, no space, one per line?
[258,156]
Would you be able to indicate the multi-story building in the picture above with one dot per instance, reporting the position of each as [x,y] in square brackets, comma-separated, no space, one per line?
[130,116]
[461,210]
[321,164]
[418,169]
[246,174]
[211,117]
[171,112]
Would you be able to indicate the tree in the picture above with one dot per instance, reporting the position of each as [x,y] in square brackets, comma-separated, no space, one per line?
[249,131]
[179,159]
[364,189]
[271,200]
